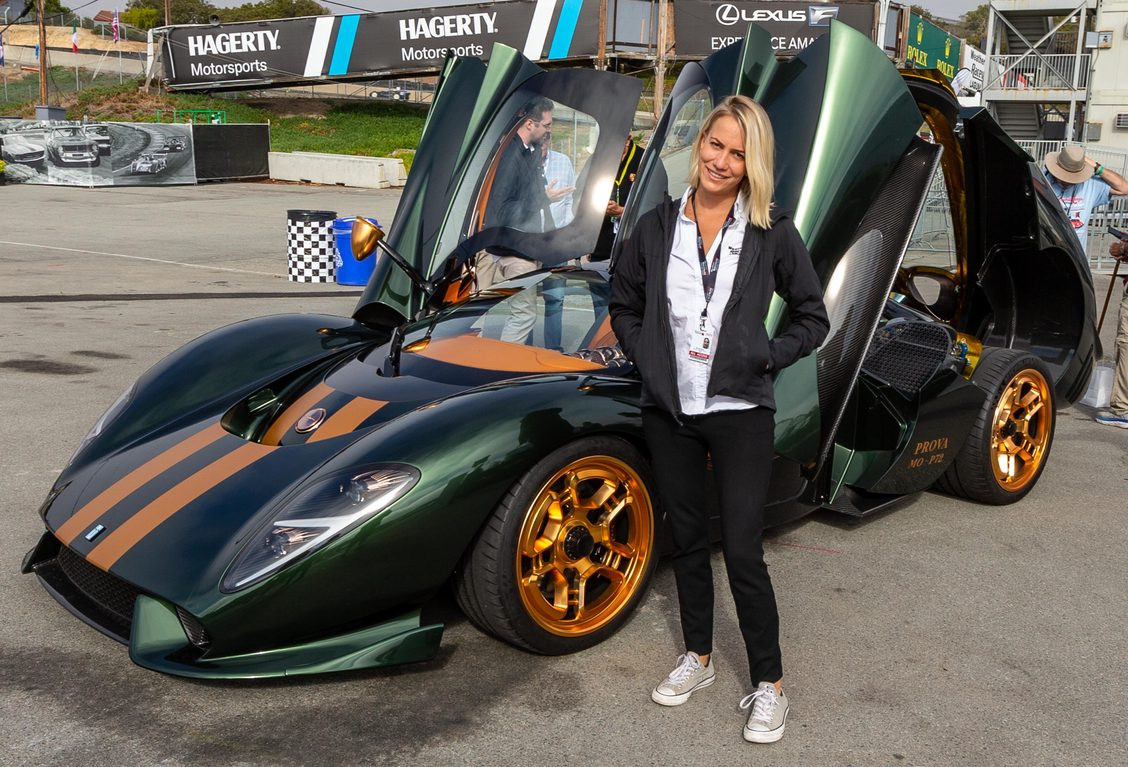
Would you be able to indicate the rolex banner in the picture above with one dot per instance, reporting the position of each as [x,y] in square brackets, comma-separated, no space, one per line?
[705,26]
[931,47]
[283,51]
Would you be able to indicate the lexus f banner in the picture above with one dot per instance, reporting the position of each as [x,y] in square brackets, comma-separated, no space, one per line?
[704,26]
[252,54]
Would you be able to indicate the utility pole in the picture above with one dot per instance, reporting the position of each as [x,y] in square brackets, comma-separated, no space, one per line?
[168,12]
[601,47]
[42,54]
[660,59]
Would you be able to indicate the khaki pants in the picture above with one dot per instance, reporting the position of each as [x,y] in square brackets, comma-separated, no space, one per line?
[491,270]
[1119,402]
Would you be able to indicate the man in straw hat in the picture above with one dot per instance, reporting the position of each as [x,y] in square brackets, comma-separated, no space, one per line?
[1081,184]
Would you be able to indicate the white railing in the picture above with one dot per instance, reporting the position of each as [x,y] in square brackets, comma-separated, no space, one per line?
[1019,73]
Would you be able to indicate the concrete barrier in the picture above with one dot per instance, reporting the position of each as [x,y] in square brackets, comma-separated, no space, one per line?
[346,170]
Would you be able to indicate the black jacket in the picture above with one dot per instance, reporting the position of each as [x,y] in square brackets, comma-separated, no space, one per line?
[518,199]
[773,260]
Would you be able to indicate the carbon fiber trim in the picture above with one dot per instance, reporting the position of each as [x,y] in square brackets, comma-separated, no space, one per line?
[907,353]
[860,284]
[195,630]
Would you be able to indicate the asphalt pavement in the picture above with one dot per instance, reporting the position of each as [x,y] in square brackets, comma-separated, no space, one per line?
[939,633]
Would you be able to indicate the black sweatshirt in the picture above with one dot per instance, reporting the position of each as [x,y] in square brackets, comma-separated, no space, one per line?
[773,260]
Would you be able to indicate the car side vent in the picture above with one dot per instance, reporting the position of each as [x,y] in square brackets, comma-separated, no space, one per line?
[195,630]
[906,354]
[1121,121]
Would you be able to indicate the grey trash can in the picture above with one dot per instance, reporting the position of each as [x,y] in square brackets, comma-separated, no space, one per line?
[310,251]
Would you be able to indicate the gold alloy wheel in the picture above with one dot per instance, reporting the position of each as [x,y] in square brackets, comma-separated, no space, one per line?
[584,546]
[1020,436]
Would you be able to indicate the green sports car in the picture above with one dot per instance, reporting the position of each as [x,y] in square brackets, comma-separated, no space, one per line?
[285,495]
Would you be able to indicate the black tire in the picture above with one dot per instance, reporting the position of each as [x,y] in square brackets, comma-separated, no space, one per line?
[1009,377]
[520,609]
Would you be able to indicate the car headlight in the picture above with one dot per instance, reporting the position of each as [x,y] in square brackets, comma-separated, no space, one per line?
[110,414]
[317,515]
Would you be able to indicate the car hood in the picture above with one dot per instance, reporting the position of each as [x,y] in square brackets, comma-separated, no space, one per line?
[170,513]
[17,144]
[72,143]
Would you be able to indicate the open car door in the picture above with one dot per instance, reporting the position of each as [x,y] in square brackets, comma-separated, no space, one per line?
[444,215]
[852,171]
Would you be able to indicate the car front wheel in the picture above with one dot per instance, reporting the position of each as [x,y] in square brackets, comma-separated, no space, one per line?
[567,556]
[1006,450]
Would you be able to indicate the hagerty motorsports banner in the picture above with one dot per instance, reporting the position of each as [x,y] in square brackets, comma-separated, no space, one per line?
[316,47]
[704,26]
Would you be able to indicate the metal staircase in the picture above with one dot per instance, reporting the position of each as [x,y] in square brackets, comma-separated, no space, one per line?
[1036,76]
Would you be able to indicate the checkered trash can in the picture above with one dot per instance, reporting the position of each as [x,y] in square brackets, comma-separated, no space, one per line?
[310,250]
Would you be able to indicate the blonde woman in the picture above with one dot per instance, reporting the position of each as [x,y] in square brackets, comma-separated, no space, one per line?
[689,297]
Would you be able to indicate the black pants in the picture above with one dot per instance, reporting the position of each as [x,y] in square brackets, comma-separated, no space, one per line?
[741,445]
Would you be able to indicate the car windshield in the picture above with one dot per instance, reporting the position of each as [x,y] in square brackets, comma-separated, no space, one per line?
[68,133]
[562,310]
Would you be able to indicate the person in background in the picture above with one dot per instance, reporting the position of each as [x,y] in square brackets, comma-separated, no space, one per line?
[624,180]
[689,295]
[560,183]
[518,200]
[1117,414]
[1081,184]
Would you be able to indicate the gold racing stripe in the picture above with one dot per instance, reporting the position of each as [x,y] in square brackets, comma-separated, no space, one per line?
[347,418]
[125,537]
[115,493]
[297,409]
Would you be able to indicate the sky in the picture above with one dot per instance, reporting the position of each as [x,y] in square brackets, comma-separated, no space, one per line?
[948,9]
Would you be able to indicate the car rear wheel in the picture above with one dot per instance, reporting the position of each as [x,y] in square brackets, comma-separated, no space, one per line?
[1006,450]
[567,555]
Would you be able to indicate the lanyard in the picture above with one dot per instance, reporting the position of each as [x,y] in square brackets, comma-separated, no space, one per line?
[1059,188]
[709,271]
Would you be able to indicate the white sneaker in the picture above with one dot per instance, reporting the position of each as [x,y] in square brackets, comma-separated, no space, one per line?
[688,676]
[769,714]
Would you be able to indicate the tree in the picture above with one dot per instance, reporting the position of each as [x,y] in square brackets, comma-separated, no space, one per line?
[53,7]
[141,18]
[923,12]
[973,26]
[272,9]
[183,11]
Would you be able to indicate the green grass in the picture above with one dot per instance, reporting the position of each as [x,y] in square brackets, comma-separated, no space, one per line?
[342,126]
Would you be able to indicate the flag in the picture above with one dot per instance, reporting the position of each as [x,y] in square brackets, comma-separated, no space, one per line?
[114,26]
[1,52]
[74,35]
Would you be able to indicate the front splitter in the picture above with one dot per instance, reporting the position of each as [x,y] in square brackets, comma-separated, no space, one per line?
[159,642]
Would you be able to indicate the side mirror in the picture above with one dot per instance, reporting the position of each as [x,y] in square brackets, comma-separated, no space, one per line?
[365,235]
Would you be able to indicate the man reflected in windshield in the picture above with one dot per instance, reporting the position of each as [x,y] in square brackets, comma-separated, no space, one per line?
[519,200]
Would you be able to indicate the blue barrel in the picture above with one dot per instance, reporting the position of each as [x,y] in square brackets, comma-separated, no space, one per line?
[349,270]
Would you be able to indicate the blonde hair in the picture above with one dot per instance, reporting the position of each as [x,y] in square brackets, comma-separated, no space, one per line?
[757,188]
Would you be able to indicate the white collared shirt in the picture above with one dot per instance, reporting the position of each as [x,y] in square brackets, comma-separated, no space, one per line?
[686,297]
